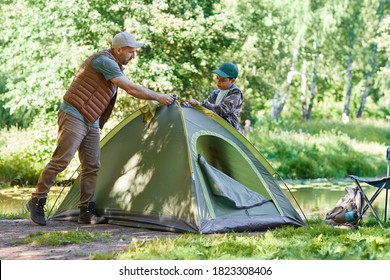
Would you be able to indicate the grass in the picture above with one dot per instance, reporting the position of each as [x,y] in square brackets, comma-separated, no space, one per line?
[295,149]
[365,131]
[40,238]
[317,241]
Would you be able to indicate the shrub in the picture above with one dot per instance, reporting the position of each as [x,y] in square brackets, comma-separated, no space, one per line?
[25,152]
[321,150]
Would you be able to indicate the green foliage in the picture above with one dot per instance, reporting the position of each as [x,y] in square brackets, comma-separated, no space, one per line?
[300,24]
[184,33]
[22,158]
[77,236]
[17,170]
[300,150]
[32,85]
[317,241]
[43,44]
[24,152]
[362,131]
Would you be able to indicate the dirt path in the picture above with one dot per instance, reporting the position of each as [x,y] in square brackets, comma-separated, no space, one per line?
[13,230]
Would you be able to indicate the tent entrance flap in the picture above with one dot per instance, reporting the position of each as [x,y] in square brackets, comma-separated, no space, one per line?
[233,192]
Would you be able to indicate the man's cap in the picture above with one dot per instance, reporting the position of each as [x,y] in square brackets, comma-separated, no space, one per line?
[125,39]
[227,70]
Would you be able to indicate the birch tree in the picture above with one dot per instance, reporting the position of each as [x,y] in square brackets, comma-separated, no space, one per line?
[321,22]
[372,60]
[309,111]
[299,20]
[277,107]
[352,23]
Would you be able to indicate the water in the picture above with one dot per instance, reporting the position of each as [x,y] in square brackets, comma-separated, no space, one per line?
[314,197]
[13,200]
[318,197]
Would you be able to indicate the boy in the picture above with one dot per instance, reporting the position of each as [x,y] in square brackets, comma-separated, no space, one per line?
[226,101]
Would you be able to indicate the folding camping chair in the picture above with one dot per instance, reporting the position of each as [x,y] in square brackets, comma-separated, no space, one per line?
[381,184]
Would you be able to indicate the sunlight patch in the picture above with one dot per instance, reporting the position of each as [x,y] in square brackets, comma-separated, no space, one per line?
[133,177]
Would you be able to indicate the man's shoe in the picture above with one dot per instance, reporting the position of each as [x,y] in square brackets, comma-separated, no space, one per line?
[89,215]
[37,213]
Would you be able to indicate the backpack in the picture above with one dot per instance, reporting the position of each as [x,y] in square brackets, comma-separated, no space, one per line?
[348,209]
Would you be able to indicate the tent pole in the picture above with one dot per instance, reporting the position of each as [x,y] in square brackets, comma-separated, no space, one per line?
[307,221]
[58,196]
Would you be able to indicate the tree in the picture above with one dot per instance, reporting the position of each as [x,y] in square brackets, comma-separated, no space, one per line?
[278,107]
[43,44]
[372,60]
[352,22]
[309,111]
[185,40]
[263,52]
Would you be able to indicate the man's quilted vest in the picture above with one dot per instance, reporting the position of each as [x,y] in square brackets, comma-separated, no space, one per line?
[90,93]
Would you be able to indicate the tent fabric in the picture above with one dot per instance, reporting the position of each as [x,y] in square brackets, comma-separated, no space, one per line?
[223,186]
[151,177]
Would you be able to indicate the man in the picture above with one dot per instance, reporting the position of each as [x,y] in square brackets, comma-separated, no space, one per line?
[226,101]
[87,105]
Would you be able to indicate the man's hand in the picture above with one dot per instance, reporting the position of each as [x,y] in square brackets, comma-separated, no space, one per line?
[143,93]
[167,99]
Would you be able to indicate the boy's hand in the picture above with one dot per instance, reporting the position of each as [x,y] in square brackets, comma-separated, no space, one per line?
[193,102]
[184,103]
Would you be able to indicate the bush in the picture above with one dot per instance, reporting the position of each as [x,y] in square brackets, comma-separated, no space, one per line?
[25,152]
[320,150]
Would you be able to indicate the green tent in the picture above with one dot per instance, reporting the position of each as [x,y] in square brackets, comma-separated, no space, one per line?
[186,170]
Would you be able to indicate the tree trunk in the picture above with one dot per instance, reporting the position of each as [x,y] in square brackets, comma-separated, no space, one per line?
[283,102]
[313,80]
[290,76]
[275,101]
[348,89]
[278,108]
[372,62]
[365,94]
[303,90]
